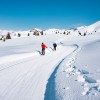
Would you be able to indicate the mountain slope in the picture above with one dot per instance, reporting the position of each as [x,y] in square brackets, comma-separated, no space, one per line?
[94,27]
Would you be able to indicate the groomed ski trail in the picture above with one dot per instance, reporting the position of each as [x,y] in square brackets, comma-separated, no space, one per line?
[27,80]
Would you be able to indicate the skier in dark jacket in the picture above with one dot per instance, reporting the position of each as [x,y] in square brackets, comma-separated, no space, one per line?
[43,46]
[54,45]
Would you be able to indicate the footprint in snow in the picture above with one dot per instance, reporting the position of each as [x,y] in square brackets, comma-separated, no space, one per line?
[82,72]
[84,78]
[91,89]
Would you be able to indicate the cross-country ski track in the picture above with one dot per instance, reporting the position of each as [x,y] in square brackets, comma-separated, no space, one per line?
[26,79]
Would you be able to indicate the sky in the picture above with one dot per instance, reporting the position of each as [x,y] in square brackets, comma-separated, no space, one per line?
[44,14]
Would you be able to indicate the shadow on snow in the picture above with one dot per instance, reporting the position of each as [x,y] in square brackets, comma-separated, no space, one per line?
[50,88]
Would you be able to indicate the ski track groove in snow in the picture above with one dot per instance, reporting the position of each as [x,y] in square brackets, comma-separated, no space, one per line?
[50,93]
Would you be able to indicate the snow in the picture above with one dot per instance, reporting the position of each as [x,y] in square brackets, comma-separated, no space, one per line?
[78,75]
[94,27]
[72,72]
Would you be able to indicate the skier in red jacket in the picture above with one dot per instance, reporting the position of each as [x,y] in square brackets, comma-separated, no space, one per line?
[43,46]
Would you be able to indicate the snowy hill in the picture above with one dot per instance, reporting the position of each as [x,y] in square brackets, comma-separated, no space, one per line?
[78,76]
[81,27]
[94,27]
[75,31]
[70,73]
[79,31]
[54,31]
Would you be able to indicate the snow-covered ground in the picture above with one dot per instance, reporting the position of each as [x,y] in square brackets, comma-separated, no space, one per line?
[78,76]
[72,72]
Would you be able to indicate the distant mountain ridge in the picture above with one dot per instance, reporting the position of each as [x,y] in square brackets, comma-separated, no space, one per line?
[94,27]
[91,28]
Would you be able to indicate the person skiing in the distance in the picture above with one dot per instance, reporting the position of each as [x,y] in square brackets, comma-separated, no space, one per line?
[43,46]
[54,45]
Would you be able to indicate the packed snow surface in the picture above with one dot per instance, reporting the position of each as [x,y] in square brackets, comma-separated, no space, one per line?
[72,72]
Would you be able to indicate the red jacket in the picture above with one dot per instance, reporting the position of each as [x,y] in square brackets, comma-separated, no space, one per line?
[43,46]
